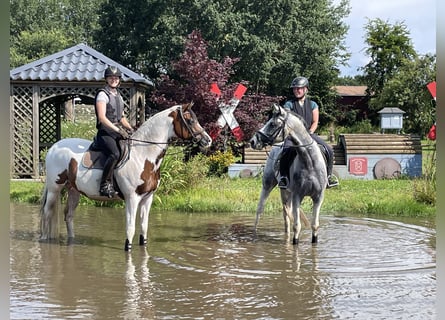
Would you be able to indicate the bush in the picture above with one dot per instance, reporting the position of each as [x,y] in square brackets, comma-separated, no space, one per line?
[219,163]
[177,175]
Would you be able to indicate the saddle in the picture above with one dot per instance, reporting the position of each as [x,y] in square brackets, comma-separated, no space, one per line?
[288,157]
[94,158]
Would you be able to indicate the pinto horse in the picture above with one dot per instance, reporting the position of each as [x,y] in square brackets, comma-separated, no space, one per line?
[136,177]
[307,172]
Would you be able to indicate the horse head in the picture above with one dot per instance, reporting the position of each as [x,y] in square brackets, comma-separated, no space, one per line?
[273,131]
[281,124]
[187,126]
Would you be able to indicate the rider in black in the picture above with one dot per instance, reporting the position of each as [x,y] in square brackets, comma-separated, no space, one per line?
[308,109]
[111,125]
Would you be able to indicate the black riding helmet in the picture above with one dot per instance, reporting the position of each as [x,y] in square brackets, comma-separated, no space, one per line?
[112,71]
[299,82]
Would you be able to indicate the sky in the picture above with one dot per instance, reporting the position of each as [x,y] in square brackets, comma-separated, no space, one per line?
[419,16]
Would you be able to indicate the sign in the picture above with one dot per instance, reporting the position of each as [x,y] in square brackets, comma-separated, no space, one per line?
[358,166]
[227,110]
[432,89]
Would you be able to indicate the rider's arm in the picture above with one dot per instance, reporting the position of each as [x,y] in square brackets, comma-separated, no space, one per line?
[315,117]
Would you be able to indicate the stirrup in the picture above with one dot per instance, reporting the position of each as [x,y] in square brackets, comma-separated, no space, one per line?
[107,190]
[332,181]
[283,183]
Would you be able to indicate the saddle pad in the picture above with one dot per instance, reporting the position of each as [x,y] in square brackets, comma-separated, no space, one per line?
[93,159]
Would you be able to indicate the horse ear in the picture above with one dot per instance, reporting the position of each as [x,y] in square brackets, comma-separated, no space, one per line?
[281,110]
[188,106]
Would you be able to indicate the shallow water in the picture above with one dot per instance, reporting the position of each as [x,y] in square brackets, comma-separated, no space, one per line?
[211,266]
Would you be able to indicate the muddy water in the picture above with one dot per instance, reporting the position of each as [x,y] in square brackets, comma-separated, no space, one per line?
[210,266]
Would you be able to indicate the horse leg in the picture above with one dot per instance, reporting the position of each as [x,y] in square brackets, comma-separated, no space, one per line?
[49,220]
[287,210]
[297,223]
[144,215]
[268,183]
[260,207]
[316,217]
[131,206]
[71,205]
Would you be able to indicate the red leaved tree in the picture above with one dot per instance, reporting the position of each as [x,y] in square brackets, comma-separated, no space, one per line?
[190,80]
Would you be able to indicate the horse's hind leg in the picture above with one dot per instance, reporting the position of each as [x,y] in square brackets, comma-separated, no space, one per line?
[49,220]
[71,205]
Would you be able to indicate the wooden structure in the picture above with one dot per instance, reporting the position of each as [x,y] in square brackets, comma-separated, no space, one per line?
[366,152]
[358,156]
[39,90]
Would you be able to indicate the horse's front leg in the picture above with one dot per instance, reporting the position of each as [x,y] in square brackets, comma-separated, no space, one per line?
[297,223]
[145,213]
[131,206]
[316,218]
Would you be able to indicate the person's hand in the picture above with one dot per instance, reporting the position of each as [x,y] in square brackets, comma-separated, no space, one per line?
[124,134]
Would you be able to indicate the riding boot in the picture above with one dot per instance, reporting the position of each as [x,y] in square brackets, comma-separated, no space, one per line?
[106,182]
[284,169]
[332,179]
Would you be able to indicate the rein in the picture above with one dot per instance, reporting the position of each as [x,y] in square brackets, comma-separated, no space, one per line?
[272,137]
[184,122]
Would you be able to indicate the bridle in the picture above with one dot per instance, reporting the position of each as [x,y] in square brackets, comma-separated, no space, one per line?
[270,138]
[186,125]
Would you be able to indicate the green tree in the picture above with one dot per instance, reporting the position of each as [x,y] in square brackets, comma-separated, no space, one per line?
[42,27]
[274,40]
[389,48]
[407,90]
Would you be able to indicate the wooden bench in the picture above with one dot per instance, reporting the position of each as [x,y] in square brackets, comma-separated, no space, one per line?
[252,156]
[354,144]
[380,144]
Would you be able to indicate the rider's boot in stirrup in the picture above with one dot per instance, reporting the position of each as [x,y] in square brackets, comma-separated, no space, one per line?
[283,183]
[106,183]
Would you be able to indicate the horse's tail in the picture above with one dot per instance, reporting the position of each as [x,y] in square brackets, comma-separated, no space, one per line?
[49,217]
[304,218]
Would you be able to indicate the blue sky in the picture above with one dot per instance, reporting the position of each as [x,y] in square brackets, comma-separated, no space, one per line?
[418,15]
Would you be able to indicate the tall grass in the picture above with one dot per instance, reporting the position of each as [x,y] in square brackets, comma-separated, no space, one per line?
[425,187]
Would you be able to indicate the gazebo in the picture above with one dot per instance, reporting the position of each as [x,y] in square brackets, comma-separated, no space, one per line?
[40,89]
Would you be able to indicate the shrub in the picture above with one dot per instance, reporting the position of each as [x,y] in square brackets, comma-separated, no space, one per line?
[219,162]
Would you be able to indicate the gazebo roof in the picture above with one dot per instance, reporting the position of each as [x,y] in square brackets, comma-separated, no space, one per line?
[391,110]
[78,63]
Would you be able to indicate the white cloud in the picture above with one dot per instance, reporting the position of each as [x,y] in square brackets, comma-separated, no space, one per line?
[419,16]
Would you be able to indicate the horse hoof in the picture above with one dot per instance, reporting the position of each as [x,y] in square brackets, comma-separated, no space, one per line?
[295,241]
[142,240]
[314,239]
[70,241]
[127,245]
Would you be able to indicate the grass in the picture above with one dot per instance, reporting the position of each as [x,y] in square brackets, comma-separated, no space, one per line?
[191,191]
[223,194]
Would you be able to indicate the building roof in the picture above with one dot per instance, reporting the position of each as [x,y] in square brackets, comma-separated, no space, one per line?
[78,63]
[392,110]
[354,91]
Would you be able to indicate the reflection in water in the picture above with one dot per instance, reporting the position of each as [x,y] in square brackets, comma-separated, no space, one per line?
[210,266]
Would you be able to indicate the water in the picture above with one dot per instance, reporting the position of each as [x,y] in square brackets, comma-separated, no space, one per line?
[211,266]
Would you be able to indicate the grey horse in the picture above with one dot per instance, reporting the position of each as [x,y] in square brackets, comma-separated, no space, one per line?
[307,172]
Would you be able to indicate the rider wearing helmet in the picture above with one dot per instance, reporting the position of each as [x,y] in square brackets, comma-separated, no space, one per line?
[111,126]
[308,109]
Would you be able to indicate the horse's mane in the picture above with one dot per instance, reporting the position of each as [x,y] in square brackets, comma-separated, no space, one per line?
[299,117]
